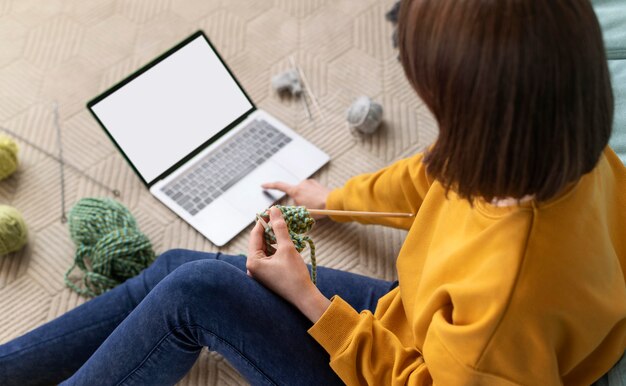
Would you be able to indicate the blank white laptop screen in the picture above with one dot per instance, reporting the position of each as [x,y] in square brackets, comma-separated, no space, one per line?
[164,114]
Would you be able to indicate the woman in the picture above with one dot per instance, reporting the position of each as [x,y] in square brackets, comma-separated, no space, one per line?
[511,272]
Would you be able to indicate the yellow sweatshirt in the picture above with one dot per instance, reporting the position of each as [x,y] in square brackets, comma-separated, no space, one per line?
[524,295]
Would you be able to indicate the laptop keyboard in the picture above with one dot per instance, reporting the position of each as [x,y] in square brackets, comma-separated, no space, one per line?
[224,166]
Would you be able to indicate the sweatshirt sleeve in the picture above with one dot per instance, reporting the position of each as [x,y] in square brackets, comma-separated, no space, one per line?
[400,187]
[364,352]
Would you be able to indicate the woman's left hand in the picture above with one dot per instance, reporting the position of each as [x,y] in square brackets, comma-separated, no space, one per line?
[284,272]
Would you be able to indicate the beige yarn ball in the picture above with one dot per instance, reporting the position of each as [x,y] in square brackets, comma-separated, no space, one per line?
[8,157]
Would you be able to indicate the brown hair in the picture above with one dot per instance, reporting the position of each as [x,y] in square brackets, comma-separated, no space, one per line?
[520,90]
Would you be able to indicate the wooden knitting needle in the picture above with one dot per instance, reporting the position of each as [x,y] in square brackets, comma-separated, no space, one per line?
[266,226]
[330,212]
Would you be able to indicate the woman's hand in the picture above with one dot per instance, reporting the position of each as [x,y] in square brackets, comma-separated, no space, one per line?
[284,272]
[308,193]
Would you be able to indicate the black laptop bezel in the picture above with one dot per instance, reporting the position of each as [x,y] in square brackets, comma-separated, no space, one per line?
[144,69]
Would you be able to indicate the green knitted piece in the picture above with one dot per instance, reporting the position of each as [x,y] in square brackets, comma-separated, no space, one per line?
[109,247]
[298,221]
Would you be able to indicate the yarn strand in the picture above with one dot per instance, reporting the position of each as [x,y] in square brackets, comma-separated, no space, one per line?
[299,221]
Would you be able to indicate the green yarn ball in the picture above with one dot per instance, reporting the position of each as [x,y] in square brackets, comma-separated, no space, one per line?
[109,247]
[13,231]
[8,157]
[93,218]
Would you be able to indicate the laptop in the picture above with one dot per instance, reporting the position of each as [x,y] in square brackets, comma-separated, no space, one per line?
[197,141]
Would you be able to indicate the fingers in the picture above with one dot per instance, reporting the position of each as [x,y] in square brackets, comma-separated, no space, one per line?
[256,243]
[256,249]
[280,227]
[279,185]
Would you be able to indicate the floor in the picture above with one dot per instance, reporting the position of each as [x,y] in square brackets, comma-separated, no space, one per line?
[68,51]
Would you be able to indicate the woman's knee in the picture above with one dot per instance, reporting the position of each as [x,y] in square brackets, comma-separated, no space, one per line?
[165,264]
[203,278]
[169,260]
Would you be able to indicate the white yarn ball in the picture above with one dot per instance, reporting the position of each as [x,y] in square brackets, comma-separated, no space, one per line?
[364,115]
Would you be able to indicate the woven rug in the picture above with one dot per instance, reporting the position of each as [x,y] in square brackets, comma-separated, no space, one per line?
[68,51]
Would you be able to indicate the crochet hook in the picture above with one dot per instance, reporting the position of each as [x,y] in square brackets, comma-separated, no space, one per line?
[331,212]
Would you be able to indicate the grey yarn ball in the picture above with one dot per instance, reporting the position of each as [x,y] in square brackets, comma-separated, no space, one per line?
[288,81]
[365,116]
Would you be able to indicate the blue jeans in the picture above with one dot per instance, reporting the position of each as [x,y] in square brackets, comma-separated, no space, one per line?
[150,330]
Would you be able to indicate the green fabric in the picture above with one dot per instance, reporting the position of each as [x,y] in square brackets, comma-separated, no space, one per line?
[612,17]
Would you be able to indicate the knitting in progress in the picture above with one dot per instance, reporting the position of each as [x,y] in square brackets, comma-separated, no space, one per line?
[109,247]
[299,221]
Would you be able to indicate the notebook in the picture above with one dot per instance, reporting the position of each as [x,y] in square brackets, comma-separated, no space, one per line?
[198,142]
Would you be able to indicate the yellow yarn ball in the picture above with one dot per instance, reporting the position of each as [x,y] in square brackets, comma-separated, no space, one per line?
[13,231]
[8,157]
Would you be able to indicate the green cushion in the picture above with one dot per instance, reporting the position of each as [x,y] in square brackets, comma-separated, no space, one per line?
[612,17]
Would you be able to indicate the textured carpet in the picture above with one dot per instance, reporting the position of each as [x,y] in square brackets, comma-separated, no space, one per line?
[68,51]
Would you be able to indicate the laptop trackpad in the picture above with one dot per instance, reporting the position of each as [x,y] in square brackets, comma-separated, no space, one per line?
[248,196]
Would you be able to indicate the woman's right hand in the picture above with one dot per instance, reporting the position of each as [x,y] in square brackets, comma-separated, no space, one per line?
[308,193]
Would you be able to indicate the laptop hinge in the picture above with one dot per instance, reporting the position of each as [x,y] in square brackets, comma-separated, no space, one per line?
[214,138]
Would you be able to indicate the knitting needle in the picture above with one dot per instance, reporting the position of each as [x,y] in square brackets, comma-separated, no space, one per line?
[331,212]
[308,109]
[307,90]
[310,93]
[306,102]
[115,192]
[266,226]
[61,163]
